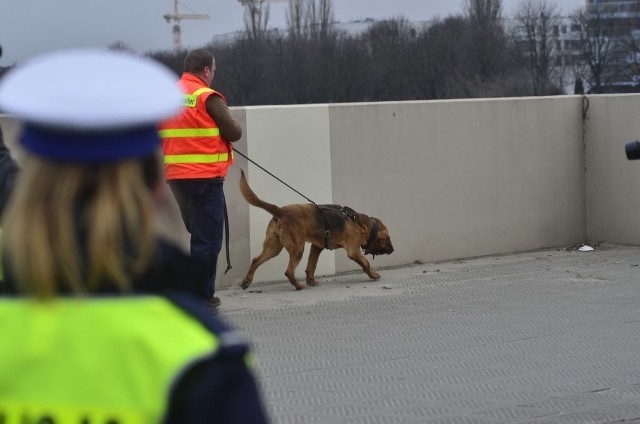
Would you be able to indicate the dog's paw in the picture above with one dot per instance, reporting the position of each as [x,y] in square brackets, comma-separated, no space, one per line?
[312,283]
[375,275]
[245,284]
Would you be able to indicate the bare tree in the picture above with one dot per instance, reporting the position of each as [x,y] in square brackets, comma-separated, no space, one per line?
[602,45]
[319,18]
[242,78]
[295,18]
[536,37]
[310,18]
[441,71]
[435,57]
[487,42]
[256,18]
[390,46]
[351,60]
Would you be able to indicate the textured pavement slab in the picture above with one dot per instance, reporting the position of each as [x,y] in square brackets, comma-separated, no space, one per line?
[549,336]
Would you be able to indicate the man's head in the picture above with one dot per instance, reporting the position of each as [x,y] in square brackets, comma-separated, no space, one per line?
[201,62]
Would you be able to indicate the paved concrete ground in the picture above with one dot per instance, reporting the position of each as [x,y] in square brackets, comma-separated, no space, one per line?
[542,337]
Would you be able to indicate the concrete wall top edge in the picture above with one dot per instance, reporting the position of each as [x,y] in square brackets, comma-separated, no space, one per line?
[272,107]
[413,102]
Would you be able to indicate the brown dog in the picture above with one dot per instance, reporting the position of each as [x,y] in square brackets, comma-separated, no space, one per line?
[325,227]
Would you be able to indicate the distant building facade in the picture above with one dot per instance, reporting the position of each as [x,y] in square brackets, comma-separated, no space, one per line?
[615,6]
[623,15]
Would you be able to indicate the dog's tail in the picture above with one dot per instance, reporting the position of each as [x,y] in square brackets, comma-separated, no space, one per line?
[252,199]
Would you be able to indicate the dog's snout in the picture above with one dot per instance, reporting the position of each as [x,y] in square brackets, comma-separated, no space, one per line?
[389,247]
[383,249]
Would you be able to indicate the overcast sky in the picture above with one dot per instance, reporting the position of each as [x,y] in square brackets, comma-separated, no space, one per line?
[31,27]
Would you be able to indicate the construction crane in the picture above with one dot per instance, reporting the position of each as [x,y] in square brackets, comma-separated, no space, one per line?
[177,17]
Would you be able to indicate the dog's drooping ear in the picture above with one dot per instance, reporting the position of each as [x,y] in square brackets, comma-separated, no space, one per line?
[381,244]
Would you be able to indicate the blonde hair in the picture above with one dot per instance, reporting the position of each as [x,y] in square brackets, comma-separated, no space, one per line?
[77,227]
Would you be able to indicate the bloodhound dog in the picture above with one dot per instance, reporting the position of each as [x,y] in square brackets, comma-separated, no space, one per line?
[325,227]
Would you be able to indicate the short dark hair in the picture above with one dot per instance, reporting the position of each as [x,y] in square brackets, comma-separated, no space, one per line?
[197,60]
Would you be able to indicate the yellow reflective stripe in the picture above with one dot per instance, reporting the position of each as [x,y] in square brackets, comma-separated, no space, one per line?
[13,412]
[174,159]
[189,132]
[201,90]
[249,361]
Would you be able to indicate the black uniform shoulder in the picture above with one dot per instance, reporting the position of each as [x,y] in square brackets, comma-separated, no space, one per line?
[171,269]
[220,388]
[198,309]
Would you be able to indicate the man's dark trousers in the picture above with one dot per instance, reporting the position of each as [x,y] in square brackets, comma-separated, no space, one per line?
[201,203]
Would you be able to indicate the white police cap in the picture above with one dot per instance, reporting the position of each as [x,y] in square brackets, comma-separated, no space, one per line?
[90,89]
[90,104]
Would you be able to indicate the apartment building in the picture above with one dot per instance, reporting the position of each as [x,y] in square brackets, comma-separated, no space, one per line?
[615,6]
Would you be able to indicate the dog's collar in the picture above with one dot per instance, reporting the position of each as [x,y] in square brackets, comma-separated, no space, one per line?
[372,235]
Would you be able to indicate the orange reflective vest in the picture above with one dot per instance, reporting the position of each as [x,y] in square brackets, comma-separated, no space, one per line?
[191,141]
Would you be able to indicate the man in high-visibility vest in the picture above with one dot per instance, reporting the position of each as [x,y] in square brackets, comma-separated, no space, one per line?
[197,153]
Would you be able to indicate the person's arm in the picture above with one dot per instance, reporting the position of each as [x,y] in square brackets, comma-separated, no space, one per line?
[230,129]
[8,172]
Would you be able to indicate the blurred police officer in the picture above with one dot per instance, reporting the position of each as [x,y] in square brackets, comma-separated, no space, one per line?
[95,324]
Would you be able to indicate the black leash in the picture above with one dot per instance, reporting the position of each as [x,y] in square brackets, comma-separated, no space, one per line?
[345,210]
[247,158]
[226,215]
[324,223]
[226,234]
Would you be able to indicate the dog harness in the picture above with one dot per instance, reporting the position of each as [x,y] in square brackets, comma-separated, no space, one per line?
[348,214]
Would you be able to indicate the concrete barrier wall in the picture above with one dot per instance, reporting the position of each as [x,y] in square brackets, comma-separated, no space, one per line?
[613,182]
[450,179]
[463,178]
